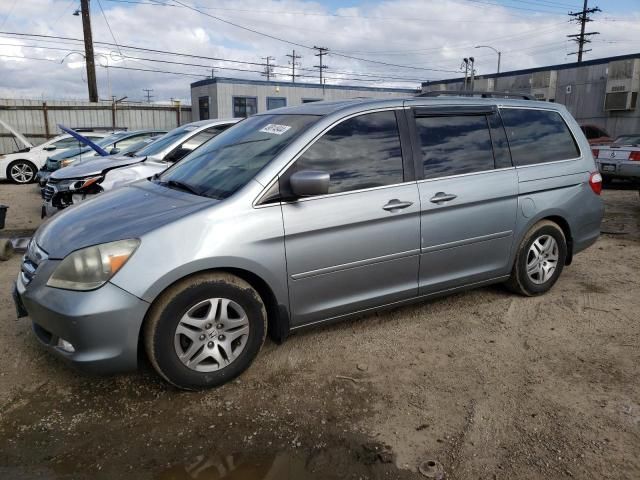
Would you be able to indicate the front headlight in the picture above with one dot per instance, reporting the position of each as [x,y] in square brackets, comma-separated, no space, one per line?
[67,162]
[92,267]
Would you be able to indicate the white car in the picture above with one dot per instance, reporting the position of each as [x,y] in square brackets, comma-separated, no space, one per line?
[22,166]
[75,183]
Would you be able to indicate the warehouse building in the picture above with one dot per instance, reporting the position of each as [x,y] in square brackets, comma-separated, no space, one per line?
[602,92]
[233,97]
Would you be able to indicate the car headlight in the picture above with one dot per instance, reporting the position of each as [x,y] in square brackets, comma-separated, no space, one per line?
[66,162]
[91,267]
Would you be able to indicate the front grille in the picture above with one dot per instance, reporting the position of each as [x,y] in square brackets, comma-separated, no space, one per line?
[30,262]
[48,192]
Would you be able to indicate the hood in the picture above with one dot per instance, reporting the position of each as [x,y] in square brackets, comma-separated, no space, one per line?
[94,166]
[17,135]
[127,212]
[84,140]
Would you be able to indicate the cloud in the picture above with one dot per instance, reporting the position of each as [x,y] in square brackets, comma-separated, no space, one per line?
[432,37]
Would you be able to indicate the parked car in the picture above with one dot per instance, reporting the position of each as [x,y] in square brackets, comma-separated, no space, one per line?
[86,179]
[21,166]
[310,214]
[621,159]
[110,145]
[596,135]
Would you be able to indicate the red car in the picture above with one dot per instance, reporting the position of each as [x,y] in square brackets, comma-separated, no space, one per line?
[596,135]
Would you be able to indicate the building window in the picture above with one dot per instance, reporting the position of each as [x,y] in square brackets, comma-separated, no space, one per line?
[311,100]
[244,106]
[276,102]
[203,104]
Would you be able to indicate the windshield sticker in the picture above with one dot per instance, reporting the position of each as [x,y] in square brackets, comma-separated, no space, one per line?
[275,129]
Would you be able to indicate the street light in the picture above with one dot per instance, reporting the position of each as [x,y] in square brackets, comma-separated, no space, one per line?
[499,53]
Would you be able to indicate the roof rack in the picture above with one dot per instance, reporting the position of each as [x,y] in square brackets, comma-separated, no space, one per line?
[473,93]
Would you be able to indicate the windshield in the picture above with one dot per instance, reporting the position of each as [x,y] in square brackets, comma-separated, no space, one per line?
[227,162]
[165,140]
[627,140]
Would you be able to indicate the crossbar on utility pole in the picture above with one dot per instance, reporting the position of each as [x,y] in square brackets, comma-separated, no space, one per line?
[88,51]
[268,68]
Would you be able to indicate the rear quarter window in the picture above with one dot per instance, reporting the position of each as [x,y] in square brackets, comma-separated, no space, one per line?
[538,136]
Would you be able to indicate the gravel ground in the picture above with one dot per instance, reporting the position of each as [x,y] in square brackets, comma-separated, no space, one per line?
[485,384]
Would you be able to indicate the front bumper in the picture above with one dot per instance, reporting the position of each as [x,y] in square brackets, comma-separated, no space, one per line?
[42,176]
[102,325]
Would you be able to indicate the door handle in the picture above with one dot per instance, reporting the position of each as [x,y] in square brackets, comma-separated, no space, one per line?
[442,197]
[396,204]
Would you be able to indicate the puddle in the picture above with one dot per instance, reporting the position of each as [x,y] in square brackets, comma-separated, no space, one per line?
[281,466]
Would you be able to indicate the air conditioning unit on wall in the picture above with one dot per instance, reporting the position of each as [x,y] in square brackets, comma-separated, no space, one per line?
[623,84]
[543,85]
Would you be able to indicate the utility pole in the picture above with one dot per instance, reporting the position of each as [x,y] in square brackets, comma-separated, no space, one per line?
[268,68]
[322,51]
[293,64]
[148,93]
[88,51]
[465,63]
[473,72]
[580,38]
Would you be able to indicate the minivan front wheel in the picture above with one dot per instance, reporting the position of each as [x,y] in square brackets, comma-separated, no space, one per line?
[205,330]
[540,259]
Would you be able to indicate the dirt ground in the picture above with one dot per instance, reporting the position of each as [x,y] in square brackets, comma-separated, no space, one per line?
[484,384]
[24,203]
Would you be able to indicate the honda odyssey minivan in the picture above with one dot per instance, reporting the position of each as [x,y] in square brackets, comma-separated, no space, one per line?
[308,214]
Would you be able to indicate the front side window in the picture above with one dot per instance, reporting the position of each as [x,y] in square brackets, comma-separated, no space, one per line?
[230,160]
[244,106]
[361,152]
[454,145]
[537,136]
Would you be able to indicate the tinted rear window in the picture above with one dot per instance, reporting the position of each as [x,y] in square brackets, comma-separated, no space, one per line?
[537,136]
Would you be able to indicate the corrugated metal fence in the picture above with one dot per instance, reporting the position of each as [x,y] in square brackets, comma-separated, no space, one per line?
[37,120]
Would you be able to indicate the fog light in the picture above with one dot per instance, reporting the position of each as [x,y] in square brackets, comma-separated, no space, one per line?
[66,346]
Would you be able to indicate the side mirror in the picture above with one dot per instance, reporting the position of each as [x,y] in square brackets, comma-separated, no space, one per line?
[114,150]
[307,183]
[49,148]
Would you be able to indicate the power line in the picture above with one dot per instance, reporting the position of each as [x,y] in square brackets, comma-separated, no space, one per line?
[372,75]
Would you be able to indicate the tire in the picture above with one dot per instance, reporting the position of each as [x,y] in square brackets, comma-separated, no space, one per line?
[542,278]
[216,321]
[21,172]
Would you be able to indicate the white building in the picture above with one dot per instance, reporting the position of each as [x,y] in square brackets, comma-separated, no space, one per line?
[233,97]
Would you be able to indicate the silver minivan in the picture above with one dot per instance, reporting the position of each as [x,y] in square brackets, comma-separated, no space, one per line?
[308,214]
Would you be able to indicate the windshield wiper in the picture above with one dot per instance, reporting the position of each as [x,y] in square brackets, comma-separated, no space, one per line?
[181,186]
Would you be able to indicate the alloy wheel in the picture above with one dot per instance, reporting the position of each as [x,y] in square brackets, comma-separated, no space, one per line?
[21,173]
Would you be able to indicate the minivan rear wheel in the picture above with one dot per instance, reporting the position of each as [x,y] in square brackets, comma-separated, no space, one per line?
[205,330]
[540,259]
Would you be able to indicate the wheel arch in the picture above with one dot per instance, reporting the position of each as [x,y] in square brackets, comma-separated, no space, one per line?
[559,219]
[277,314]
[26,160]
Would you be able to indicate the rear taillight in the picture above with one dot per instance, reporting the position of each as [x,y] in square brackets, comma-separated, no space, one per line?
[595,182]
[635,156]
[595,152]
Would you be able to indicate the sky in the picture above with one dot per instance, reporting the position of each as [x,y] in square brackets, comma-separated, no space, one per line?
[397,43]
